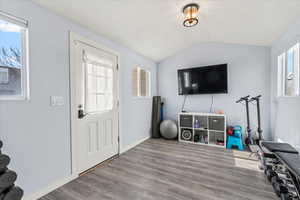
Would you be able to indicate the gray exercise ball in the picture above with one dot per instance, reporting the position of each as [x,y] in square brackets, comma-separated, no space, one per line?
[168,129]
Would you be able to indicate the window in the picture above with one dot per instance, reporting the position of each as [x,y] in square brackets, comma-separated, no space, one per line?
[4,76]
[141,82]
[99,84]
[288,72]
[13,58]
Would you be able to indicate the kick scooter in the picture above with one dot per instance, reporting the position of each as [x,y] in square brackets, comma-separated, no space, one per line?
[259,130]
[249,139]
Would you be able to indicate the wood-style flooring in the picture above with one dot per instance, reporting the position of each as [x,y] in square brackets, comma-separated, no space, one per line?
[168,170]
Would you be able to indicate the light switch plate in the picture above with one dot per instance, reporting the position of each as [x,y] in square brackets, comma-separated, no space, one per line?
[57,101]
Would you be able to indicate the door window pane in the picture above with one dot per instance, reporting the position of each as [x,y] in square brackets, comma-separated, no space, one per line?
[99,89]
[101,84]
[91,104]
[91,84]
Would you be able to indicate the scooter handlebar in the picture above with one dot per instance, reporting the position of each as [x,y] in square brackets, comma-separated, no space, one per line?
[243,99]
[255,98]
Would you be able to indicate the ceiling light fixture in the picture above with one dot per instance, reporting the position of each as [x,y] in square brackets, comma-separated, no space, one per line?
[190,12]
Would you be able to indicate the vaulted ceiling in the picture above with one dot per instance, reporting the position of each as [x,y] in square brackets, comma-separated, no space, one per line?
[154,28]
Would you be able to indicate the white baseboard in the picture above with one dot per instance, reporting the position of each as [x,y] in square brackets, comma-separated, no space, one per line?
[130,146]
[66,180]
[50,188]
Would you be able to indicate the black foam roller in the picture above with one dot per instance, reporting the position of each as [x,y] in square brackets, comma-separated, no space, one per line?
[156,106]
[13,193]
[7,179]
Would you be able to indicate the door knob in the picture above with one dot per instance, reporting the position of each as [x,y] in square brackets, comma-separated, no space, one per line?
[81,113]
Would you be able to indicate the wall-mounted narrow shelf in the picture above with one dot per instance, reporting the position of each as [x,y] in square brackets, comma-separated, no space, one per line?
[202,128]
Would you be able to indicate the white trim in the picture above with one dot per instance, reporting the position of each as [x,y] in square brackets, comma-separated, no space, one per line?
[75,38]
[130,146]
[281,62]
[50,188]
[288,97]
[142,98]
[11,18]
[203,114]
[138,83]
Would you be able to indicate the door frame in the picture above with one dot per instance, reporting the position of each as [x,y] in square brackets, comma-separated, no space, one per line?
[73,39]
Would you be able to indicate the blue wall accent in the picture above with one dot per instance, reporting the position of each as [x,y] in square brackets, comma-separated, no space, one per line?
[248,73]
[36,135]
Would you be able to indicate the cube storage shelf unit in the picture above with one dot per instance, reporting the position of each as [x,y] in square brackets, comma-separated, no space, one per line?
[202,128]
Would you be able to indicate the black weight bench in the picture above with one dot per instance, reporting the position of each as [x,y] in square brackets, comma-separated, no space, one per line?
[279,147]
[291,161]
[282,168]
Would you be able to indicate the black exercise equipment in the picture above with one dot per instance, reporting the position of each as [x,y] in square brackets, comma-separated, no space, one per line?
[279,147]
[268,158]
[7,179]
[249,139]
[4,162]
[12,193]
[259,129]
[156,116]
[281,163]
[8,190]
[187,134]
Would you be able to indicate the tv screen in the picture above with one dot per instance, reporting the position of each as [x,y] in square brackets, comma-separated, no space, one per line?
[203,80]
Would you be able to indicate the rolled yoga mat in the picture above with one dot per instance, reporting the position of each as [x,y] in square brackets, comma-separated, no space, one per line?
[156,104]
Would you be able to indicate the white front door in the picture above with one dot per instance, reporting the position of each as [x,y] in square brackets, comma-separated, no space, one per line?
[94,105]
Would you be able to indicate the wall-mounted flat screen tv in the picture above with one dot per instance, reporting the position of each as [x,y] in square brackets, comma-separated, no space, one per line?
[203,80]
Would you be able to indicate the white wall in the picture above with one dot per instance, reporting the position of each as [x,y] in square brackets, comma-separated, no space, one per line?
[248,71]
[37,136]
[285,111]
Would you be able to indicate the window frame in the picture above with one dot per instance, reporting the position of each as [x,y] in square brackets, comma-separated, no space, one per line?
[282,70]
[25,94]
[138,83]
[281,65]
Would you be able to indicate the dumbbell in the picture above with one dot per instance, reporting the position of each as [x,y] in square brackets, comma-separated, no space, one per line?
[7,179]
[282,189]
[284,195]
[277,185]
[270,174]
[13,193]
[4,162]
